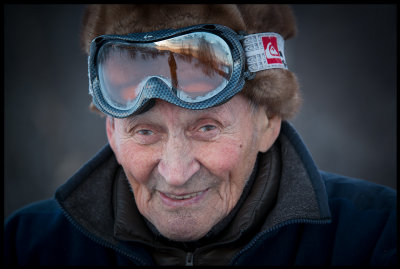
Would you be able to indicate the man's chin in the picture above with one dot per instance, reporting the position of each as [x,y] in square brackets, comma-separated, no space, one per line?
[183,230]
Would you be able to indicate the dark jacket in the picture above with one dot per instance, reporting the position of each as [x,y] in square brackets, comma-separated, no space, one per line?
[291,214]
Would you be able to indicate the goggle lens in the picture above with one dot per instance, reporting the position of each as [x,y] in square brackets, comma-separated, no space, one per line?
[194,66]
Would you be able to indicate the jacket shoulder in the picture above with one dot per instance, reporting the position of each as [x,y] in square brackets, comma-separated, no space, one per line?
[35,217]
[40,234]
[44,206]
[364,195]
[39,211]
[28,227]
[364,220]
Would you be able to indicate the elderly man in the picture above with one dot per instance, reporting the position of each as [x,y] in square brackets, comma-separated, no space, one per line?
[202,167]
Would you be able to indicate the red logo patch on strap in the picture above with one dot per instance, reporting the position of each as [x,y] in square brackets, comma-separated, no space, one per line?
[271,50]
[264,51]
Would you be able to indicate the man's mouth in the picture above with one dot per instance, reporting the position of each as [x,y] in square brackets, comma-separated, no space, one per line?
[185,199]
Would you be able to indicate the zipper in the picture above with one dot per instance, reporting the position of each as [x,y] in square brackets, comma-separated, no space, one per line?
[272,229]
[99,240]
[189,259]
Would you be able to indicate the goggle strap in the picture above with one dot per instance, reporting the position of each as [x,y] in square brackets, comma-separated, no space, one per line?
[264,51]
[249,75]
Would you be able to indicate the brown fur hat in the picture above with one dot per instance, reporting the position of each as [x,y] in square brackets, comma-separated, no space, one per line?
[276,89]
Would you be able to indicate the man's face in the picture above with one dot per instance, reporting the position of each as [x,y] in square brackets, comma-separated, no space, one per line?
[187,168]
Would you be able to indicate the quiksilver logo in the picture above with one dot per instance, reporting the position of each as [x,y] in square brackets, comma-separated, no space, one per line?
[271,50]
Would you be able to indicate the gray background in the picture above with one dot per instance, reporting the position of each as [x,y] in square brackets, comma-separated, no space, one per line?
[344,56]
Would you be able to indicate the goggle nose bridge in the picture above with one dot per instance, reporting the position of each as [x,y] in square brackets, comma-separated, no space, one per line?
[152,86]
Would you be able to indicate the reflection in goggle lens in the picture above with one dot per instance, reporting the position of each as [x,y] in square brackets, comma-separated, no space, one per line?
[196,66]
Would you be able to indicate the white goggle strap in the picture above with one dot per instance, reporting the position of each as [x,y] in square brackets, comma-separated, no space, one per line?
[264,51]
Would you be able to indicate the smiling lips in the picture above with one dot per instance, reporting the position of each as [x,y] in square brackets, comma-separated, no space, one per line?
[173,200]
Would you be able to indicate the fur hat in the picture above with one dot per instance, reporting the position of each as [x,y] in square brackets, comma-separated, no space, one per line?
[276,89]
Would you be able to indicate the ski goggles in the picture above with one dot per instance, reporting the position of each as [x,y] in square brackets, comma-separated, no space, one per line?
[195,67]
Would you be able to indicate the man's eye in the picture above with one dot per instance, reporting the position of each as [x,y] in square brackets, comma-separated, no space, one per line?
[145,132]
[146,136]
[207,128]
[206,132]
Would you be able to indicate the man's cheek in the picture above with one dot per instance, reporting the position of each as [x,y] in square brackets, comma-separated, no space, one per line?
[221,157]
[138,163]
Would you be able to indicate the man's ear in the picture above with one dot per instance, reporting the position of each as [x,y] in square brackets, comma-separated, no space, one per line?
[269,129]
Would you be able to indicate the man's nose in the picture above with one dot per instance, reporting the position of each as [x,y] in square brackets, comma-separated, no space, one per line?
[177,164]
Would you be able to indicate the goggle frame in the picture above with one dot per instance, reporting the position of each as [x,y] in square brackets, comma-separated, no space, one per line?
[160,90]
